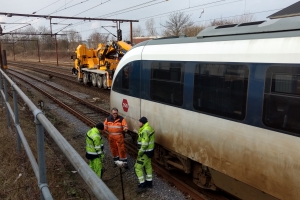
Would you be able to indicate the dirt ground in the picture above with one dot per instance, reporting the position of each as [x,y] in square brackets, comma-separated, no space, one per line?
[17,178]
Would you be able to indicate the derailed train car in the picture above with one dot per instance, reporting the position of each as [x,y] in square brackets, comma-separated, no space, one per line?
[225,105]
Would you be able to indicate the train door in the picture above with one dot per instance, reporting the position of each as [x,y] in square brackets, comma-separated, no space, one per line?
[125,94]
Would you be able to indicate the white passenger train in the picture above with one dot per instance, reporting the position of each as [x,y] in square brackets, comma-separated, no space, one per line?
[225,105]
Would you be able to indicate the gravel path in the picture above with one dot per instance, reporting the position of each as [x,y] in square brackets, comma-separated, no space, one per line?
[161,189]
[74,131]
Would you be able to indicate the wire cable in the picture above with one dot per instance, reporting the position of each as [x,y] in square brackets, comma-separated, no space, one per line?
[87,10]
[109,14]
[172,11]
[45,7]
[159,15]
[116,12]
[33,13]
[239,15]
[224,17]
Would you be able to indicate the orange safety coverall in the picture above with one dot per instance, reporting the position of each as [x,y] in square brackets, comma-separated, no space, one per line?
[116,137]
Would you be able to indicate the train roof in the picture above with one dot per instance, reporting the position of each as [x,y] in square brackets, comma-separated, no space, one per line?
[258,27]
[274,28]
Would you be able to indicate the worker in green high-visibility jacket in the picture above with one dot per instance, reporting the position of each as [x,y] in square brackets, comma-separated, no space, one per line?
[94,148]
[145,153]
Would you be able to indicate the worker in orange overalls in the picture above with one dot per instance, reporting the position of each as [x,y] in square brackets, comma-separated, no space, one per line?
[115,125]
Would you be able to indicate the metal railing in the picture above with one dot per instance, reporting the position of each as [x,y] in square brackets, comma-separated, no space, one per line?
[98,187]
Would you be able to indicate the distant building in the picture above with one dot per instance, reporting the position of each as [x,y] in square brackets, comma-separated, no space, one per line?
[137,40]
[290,11]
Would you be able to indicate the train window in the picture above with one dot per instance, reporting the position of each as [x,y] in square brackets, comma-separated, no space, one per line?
[286,84]
[221,89]
[125,76]
[167,82]
[282,99]
[127,80]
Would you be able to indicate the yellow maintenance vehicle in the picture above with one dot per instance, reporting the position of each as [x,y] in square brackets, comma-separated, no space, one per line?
[97,66]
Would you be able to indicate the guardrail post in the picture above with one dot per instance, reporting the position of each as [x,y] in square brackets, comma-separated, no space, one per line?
[6,100]
[41,150]
[17,123]
[1,87]
[4,60]
[1,63]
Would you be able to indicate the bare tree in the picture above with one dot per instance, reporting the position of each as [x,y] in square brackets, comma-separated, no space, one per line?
[235,20]
[176,24]
[150,27]
[63,43]
[7,42]
[74,39]
[137,31]
[46,40]
[193,30]
[95,38]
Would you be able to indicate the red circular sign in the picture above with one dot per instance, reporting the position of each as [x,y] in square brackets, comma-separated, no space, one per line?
[125,105]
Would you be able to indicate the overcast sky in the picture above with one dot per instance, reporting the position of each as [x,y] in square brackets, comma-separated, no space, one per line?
[141,10]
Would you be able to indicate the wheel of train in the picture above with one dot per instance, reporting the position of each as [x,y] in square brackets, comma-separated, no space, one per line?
[85,78]
[104,81]
[99,80]
[94,80]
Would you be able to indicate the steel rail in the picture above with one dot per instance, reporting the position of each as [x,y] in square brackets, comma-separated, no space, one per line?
[64,92]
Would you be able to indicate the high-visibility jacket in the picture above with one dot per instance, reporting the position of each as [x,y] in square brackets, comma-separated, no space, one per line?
[94,142]
[146,140]
[115,126]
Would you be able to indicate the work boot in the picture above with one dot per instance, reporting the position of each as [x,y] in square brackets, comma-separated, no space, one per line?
[115,159]
[141,188]
[149,184]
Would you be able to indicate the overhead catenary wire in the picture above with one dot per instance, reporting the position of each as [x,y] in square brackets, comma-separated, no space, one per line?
[118,11]
[171,12]
[45,7]
[225,17]
[51,12]
[239,15]
[106,15]
[38,10]
[159,15]
[87,10]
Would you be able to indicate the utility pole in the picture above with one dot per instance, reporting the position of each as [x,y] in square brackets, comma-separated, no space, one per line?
[56,50]
[38,47]
[14,51]
[131,38]
[1,63]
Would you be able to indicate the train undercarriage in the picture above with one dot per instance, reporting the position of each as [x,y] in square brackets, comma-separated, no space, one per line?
[206,177]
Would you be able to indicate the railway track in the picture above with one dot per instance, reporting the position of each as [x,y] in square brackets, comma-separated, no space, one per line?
[60,73]
[90,114]
[51,71]
[46,63]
